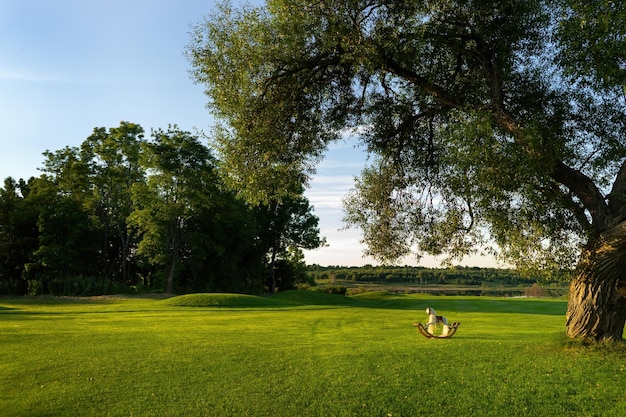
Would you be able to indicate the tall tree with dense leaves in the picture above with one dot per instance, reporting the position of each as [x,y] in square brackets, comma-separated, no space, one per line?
[180,185]
[99,175]
[231,255]
[112,158]
[594,53]
[68,242]
[287,223]
[18,235]
[69,238]
[481,134]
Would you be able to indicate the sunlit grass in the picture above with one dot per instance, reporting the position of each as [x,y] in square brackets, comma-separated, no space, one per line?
[299,354]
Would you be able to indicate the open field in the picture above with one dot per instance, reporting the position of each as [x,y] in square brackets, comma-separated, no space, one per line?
[299,354]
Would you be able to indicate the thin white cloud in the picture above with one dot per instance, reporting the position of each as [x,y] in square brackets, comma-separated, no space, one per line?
[355,165]
[335,181]
[14,75]
[69,76]
[326,191]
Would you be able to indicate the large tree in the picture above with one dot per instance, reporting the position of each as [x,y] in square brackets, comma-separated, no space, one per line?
[484,132]
[68,242]
[181,185]
[18,234]
[112,156]
[287,225]
[98,176]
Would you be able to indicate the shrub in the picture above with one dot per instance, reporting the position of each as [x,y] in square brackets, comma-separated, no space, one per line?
[534,290]
[357,290]
[34,287]
[303,286]
[333,289]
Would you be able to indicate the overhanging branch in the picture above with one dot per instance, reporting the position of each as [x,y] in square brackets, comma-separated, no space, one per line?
[436,91]
[586,191]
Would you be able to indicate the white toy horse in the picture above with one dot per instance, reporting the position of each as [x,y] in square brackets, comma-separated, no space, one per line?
[434,319]
[437,326]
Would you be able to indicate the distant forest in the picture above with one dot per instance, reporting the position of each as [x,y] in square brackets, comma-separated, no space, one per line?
[428,277]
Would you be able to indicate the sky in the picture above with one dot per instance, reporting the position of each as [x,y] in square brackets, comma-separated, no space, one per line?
[69,66]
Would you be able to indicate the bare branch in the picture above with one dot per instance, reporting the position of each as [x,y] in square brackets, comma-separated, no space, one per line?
[437,92]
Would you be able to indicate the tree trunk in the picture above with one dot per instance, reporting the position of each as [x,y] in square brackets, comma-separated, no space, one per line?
[169,288]
[273,270]
[597,298]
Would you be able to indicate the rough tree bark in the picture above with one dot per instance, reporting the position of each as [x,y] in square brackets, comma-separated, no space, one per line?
[597,299]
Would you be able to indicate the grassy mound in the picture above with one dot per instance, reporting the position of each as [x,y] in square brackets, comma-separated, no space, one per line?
[220,300]
[283,299]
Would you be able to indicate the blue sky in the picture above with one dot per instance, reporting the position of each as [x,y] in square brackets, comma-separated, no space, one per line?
[69,66]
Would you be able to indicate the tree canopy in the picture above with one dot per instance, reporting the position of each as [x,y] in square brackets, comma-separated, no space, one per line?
[480,135]
[493,126]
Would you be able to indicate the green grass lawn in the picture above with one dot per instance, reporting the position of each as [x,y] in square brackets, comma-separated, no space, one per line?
[299,354]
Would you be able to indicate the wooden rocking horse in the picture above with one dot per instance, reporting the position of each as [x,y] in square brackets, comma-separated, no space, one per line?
[437,326]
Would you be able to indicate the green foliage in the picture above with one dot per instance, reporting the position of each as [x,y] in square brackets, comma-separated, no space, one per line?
[179,188]
[18,235]
[123,213]
[286,226]
[265,161]
[422,275]
[483,137]
[594,33]
[332,289]
[93,182]
[321,355]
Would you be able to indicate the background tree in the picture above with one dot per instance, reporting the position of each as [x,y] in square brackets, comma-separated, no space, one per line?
[69,240]
[291,270]
[112,157]
[97,178]
[233,254]
[18,235]
[121,213]
[67,243]
[482,135]
[181,183]
[284,224]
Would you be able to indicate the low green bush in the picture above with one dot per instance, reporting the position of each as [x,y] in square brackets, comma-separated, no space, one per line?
[332,289]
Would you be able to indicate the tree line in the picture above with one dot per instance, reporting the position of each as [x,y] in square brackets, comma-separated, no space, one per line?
[418,275]
[124,213]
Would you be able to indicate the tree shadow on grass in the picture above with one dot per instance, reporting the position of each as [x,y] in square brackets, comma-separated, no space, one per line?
[502,306]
